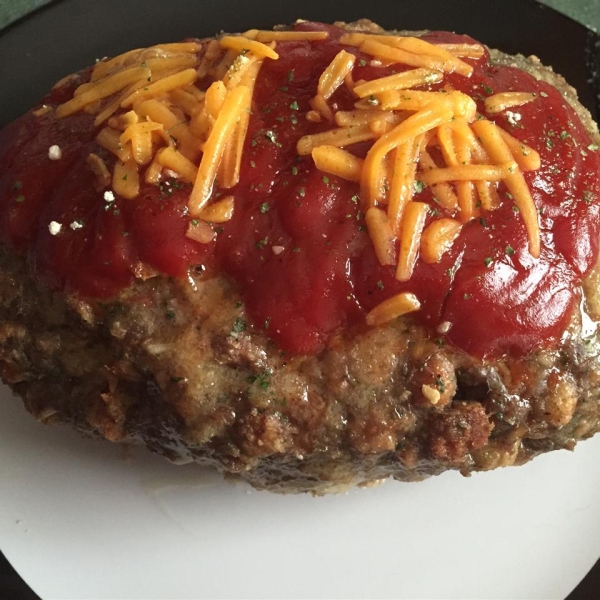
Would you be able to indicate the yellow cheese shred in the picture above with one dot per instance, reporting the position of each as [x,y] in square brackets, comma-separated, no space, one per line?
[109,139]
[457,152]
[100,170]
[248,80]
[415,125]
[442,192]
[418,46]
[185,101]
[500,153]
[126,179]
[171,159]
[219,212]
[384,240]
[157,120]
[470,173]
[365,116]
[437,239]
[403,179]
[413,45]
[161,86]
[141,142]
[392,308]
[319,105]
[488,195]
[334,74]
[499,102]
[104,88]
[398,55]
[224,125]
[201,232]
[413,222]
[290,36]
[243,45]
[464,50]
[398,81]
[344,136]
[527,158]
[335,161]
[153,173]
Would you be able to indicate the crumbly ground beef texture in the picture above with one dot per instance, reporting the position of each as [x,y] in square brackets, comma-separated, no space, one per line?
[170,364]
[175,365]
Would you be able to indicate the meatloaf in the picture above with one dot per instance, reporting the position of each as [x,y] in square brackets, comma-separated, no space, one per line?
[313,258]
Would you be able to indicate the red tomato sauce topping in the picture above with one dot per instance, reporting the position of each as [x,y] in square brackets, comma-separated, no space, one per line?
[496,297]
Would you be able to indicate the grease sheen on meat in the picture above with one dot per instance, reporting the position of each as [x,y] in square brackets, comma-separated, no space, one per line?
[174,362]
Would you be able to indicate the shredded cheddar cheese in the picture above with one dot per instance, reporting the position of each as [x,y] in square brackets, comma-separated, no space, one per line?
[100,170]
[126,179]
[499,102]
[171,159]
[334,74]
[290,36]
[243,44]
[158,117]
[413,222]
[399,81]
[437,238]
[464,50]
[392,308]
[219,212]
[320,106]
[382,235]
[336,161]
[200,231]
[224,125]
[344,136]
[403,178]
[499,152]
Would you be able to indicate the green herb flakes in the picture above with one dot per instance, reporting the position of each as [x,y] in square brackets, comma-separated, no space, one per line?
[418,187]
[239,325]
[588,197]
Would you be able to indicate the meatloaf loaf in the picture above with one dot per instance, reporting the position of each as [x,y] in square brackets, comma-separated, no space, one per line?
[313,257]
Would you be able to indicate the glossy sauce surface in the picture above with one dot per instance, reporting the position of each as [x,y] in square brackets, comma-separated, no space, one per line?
[497,298]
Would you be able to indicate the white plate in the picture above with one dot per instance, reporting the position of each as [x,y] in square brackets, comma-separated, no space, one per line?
[89,519]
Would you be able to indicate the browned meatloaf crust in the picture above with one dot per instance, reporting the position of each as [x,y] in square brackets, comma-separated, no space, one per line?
[159,365]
